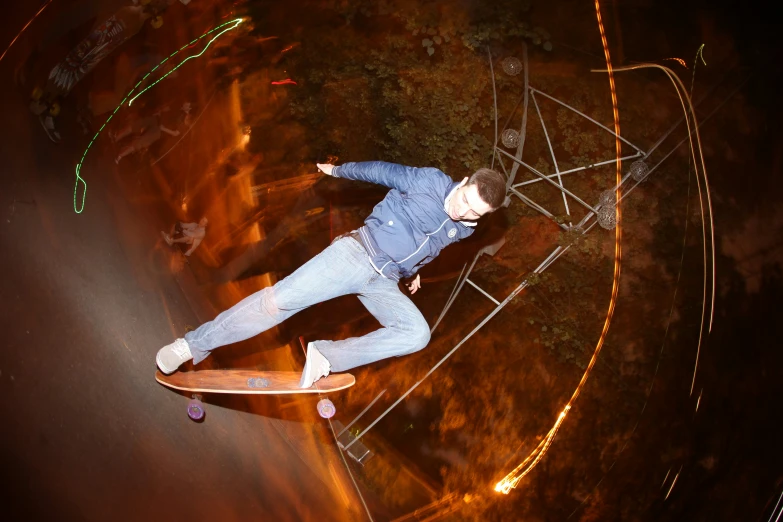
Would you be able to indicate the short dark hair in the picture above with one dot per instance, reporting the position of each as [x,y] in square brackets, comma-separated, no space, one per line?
[491,186]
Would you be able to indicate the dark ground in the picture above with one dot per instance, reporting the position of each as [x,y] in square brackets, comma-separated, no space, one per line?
[87,300]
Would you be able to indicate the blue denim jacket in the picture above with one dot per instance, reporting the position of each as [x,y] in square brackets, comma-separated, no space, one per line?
[410,226]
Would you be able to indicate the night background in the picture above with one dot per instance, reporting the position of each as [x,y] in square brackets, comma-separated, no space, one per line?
[233,103]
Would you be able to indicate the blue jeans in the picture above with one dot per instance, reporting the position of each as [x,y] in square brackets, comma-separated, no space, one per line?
[342,268]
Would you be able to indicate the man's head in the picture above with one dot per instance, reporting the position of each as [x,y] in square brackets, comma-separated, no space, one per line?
[482,193]
[203,222]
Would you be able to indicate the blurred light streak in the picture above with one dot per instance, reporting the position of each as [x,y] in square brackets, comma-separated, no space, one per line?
[673,483]
[678,60]
[693,130]
[41,10]
[512,479]
[775,509]
[166,309]
[150,86]
[342,456]
[666,477]
[693,78]
[698,401]
[674,298]
[287,81]
[79,179]
[343,495]
[700,54]
[185,134]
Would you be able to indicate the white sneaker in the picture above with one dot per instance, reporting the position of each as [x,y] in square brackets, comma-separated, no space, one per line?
[316,366]
[171,356]
[166,238]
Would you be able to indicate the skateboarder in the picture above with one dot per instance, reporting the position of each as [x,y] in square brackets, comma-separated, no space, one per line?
[424,211]
[189,233]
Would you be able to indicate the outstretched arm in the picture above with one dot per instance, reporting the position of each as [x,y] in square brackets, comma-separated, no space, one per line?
[169,131]
[196,242]
[390,175]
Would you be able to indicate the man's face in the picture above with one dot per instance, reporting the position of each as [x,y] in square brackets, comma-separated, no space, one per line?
[466,204]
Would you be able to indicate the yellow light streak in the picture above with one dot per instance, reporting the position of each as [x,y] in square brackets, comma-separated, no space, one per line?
[673,483]
[511,480]
[700,53]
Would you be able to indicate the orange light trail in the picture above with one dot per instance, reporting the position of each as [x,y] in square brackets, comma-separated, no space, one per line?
[693,131]
[678,60]
[511,480]
[41,10]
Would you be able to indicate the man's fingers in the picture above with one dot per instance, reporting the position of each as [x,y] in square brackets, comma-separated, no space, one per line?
[326,168]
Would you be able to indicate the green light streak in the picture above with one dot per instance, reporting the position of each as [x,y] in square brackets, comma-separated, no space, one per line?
[79,179]
[700,54]
[150,86]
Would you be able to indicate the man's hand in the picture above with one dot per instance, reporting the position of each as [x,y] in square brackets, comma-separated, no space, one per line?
[415,285]
[326,168]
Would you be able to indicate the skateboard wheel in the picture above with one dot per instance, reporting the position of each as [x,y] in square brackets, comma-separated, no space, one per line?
[54,109]
[196,409]
[326,408]
[36,94]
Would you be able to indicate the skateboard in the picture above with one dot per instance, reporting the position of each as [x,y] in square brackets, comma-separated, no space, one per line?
[249,382]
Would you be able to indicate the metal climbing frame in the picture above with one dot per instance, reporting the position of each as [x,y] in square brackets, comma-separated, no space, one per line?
[603,212]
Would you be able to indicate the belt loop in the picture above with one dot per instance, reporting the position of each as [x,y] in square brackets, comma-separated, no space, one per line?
[352,234]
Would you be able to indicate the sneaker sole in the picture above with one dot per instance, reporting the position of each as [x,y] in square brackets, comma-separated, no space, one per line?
[162,367]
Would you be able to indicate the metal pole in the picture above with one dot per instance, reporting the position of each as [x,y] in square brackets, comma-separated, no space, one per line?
[523,128]
[534,171]
[494,100]
[585,116]
[362,413]
[474,285]
[538,207]
[454,294]
[577,169]
[552,152]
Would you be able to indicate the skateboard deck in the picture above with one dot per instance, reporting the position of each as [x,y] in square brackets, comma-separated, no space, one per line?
[251,382]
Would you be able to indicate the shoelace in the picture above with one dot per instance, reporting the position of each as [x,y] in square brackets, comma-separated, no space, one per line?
[180,349]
